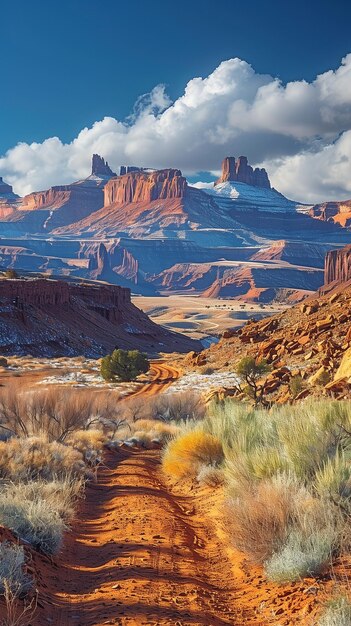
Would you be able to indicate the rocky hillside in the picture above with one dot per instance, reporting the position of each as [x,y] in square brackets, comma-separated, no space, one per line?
[311,341]
[150,203]
[55,318]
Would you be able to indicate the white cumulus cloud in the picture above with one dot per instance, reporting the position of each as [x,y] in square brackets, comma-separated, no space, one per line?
[300,131]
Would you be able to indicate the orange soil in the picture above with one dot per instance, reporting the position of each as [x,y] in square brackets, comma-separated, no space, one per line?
[144,552]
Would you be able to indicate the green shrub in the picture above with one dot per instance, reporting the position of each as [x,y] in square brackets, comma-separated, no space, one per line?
[124,365]
[333,480]
[251,371]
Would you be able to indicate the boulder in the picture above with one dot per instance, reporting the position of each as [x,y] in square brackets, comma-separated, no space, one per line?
[344,369]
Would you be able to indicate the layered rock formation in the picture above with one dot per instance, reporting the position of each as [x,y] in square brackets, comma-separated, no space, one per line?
[238,170]
[149,230]
[139,186]
[338,266]
[55,318]
[8,200]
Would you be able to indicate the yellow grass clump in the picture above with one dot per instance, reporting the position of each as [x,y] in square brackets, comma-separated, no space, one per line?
[185,455]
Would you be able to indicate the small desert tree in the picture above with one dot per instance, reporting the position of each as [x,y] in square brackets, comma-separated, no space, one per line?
[124,365]
[252,371]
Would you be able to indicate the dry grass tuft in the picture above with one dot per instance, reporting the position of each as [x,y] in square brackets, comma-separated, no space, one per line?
[38,511]
[257,519]
[35,457]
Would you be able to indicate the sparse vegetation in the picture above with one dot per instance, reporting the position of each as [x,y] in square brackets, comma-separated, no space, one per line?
[296,385]
[287,477]
[53,412]
[32,521]
[124,365]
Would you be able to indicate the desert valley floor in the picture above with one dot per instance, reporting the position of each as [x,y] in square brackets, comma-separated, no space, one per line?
[200,317]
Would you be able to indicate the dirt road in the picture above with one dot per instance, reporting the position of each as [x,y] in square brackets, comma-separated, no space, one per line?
[162,375]
[138,554]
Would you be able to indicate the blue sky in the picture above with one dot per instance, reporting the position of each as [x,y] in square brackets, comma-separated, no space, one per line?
[66,64]
[75,69]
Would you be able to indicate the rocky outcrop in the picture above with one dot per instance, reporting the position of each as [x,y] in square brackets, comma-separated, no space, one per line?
[142,186]
[337,267]
[307,254]
[52,318]
[100,167]
[238,170]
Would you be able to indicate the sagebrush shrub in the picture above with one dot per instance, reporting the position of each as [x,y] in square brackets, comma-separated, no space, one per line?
[301,556]
[39,511]
[12,574]
[257,517]
[336,613]
[210,475]
[89,443]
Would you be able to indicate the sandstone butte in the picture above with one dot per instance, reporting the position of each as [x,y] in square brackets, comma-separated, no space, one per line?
[238,170]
